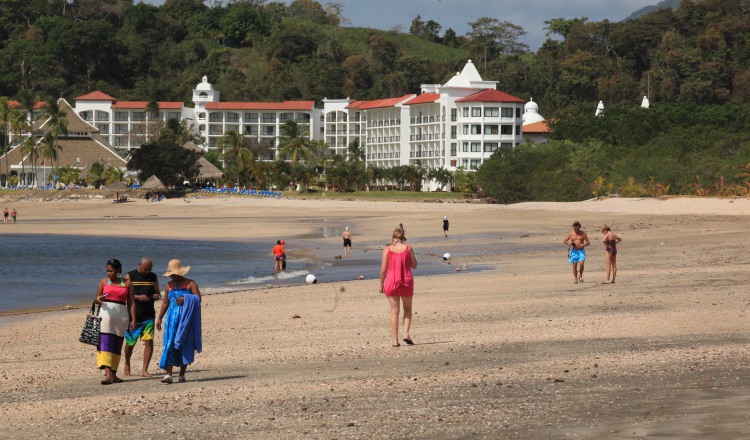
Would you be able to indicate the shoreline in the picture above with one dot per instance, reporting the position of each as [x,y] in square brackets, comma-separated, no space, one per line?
[661,353]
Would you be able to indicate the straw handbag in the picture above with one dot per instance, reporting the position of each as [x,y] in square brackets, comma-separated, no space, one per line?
[91,332]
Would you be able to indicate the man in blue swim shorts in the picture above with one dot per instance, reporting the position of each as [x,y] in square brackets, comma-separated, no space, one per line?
[577,240]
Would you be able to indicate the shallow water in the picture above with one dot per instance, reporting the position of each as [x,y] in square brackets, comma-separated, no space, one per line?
[55,270]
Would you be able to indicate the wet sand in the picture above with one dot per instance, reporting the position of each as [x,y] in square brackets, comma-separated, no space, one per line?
[515,352]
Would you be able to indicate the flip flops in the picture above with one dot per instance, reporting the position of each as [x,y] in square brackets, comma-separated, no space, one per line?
[408,341]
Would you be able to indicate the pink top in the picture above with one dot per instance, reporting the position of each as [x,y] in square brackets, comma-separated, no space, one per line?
[115,292]
[398,278]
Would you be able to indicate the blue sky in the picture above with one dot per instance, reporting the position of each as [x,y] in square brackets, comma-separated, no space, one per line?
[456,14]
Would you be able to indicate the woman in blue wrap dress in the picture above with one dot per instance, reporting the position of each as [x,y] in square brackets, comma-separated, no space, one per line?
[181,316]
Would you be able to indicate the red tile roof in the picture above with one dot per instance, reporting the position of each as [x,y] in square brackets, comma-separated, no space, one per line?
[537,127]
[381,103]
[141,105]
[286,105]
[356,104]
[95,96]
[37,106]
[490,95]
[424,98]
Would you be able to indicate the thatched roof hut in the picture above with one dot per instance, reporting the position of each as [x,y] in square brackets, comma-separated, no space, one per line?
[153,182]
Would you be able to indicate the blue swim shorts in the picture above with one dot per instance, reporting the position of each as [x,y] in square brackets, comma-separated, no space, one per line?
[577,256]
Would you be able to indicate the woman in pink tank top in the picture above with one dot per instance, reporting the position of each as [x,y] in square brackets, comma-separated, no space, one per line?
[397,282]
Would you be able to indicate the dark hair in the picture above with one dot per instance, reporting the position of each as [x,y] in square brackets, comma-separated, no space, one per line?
[576,223]
[116,265]
[278,241]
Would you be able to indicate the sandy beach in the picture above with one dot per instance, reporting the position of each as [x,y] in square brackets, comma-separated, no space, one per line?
[515,352]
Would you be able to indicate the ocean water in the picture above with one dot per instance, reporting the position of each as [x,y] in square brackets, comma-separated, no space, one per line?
[57,270]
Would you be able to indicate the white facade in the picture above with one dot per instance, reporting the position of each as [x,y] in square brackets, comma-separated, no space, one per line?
[456,124]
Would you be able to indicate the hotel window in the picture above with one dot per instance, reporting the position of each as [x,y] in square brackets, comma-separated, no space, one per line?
[121,116]
[285,117]
[233,117]
[453,148]
[269,131]
[454,114]
[103,128]
[476,129]
[86,116]
[269,117]
[102,116]
[235,128]
[121,128]
[465,112]
[465,163]
[506,145]
[518,129]
[507,112]
[476,147]
[491,129]
[252,130]
[174,115]
[215,129]
[489,147]
[251,117]
[454,132]
[465,147]
[518,112]
[465,129]
[506,129]
[119,142]
[216,117]
[475,164]
[491,112]
[139,116]
[304,118]
[476,112]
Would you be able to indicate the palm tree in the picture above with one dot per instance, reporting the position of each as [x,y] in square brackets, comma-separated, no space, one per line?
[18,123]
[235,145]
[294,142]
[57,124]
[29,148]
[46,149]
[28,100]
[5,112]
[152,112]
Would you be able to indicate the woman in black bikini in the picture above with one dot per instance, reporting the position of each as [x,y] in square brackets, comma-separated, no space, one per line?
[610,246]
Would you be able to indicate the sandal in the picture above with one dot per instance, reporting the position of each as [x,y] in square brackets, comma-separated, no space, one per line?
[107,382]
[408,341]
[182,379]
[167,380]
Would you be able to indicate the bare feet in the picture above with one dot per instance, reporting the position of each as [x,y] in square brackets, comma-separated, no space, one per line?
[575,282]
[145,374]
[396,344]
[580,280]
[126,370]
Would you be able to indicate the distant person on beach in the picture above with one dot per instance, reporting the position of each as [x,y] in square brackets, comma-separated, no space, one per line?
[182,326]
[347,236]
[13,215]
[5,216]
[610,251]
[397,282]
[144,285]
[402,231]
[278,255]
[445,226]
[116,302]
[577,240]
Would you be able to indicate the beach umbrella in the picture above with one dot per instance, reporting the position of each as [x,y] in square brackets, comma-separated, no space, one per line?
[153,182]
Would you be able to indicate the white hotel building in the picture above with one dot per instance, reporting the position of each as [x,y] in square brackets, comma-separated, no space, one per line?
[457,124]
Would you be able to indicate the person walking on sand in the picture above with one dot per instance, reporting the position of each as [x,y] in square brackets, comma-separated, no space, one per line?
[5,216]
[577,240]
[347,236]
[115,300]
[445,226]
[13,215]
[610,251]
[278,255]
[397,282]
[182,326]
[144,285]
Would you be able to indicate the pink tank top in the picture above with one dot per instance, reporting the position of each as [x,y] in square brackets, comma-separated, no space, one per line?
[398,279]
[115,292]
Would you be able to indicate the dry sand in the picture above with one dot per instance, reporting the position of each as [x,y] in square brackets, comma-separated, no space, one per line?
[515,352]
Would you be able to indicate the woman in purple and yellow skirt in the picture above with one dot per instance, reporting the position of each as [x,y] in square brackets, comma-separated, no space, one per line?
[115,299]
